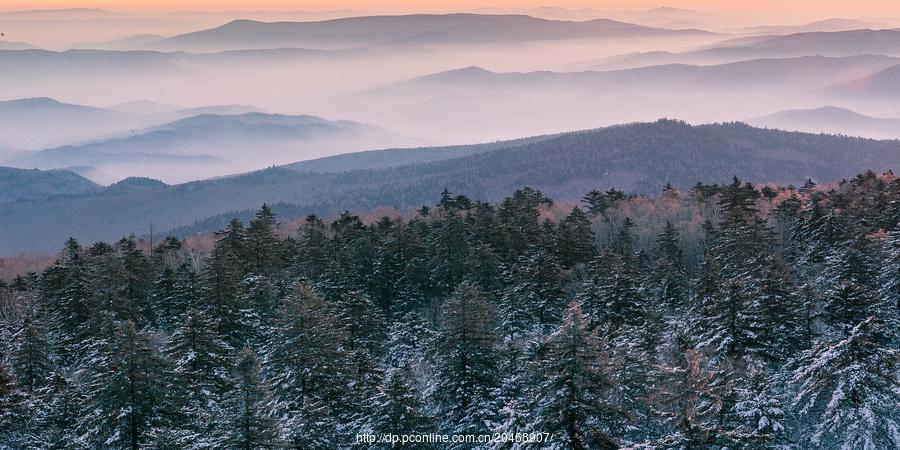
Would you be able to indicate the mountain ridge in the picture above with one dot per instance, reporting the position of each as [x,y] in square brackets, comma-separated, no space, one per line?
[638,158]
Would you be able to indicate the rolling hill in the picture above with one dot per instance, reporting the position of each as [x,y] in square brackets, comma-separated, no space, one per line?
[38,123]
[210,145]
[405,29]
[831,44]
[638,158]
[22,184]
[882,85]
[774,73]
[830,119]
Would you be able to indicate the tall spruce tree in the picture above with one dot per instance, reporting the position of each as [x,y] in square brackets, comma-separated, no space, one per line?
[247,422]
[571,402]
[308,356]
[466,365]
[847,393]
[126,385]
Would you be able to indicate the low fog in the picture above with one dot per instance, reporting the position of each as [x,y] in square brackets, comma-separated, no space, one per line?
[181,97]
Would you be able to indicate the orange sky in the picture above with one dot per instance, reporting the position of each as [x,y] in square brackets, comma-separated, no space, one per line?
[816,7]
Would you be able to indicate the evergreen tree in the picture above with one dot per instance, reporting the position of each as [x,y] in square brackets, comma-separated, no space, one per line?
[847,392]
[761,409]
[32,356]
[466,366]
[308,356]
[397,408]
[687,400]
[847,280]
[519,217]
[125,388]
[201,362]
[247,422]
[575,243]
[13,411]
[448,252]
[533,296]
[671,290]
[222,284]
[571,404]
[57,413]
[262,242]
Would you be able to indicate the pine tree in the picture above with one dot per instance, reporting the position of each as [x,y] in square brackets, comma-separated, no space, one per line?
[313,248]
[57,413]
[397,408]
[125,388]
[308,357]
[609,294]
[575,243]
[262,242]
[222,283]
[761,409]
[847,392]
[466,366]
[687,400]
[571,403]
[32,356]
[13,411]
[247,422]
[519,217]
[671,290]
[847,280]
[201,360]
[533,296]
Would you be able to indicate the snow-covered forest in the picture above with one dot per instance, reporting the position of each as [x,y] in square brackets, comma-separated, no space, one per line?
[727,316]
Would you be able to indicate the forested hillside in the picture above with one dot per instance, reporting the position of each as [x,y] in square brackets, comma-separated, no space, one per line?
[25,184]
[637,158]
[719,316]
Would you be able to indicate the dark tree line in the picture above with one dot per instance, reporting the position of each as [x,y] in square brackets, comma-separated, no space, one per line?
[477,318]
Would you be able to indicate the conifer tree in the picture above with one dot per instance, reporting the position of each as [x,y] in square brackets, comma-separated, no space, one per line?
[533,296]
[397,408]
[57,413]
[247,423]
[519,217]
[13,411]
[222,284]
[32,355]
[848,279]
[125,387]
[308,356]
[575,242]
[687,399]
[571,403]
[313,249]
[448,250]
[671,290]
[847,392]
[262,242]
[466,366]
[201,361]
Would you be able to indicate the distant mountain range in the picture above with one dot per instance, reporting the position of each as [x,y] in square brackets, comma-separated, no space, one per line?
[830,119]
[879,86]
[831,44]
[35,123]
[637,158]
[807,72]
[516,103]
[406,29]
[827,25]
[210,145]
[22,184]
